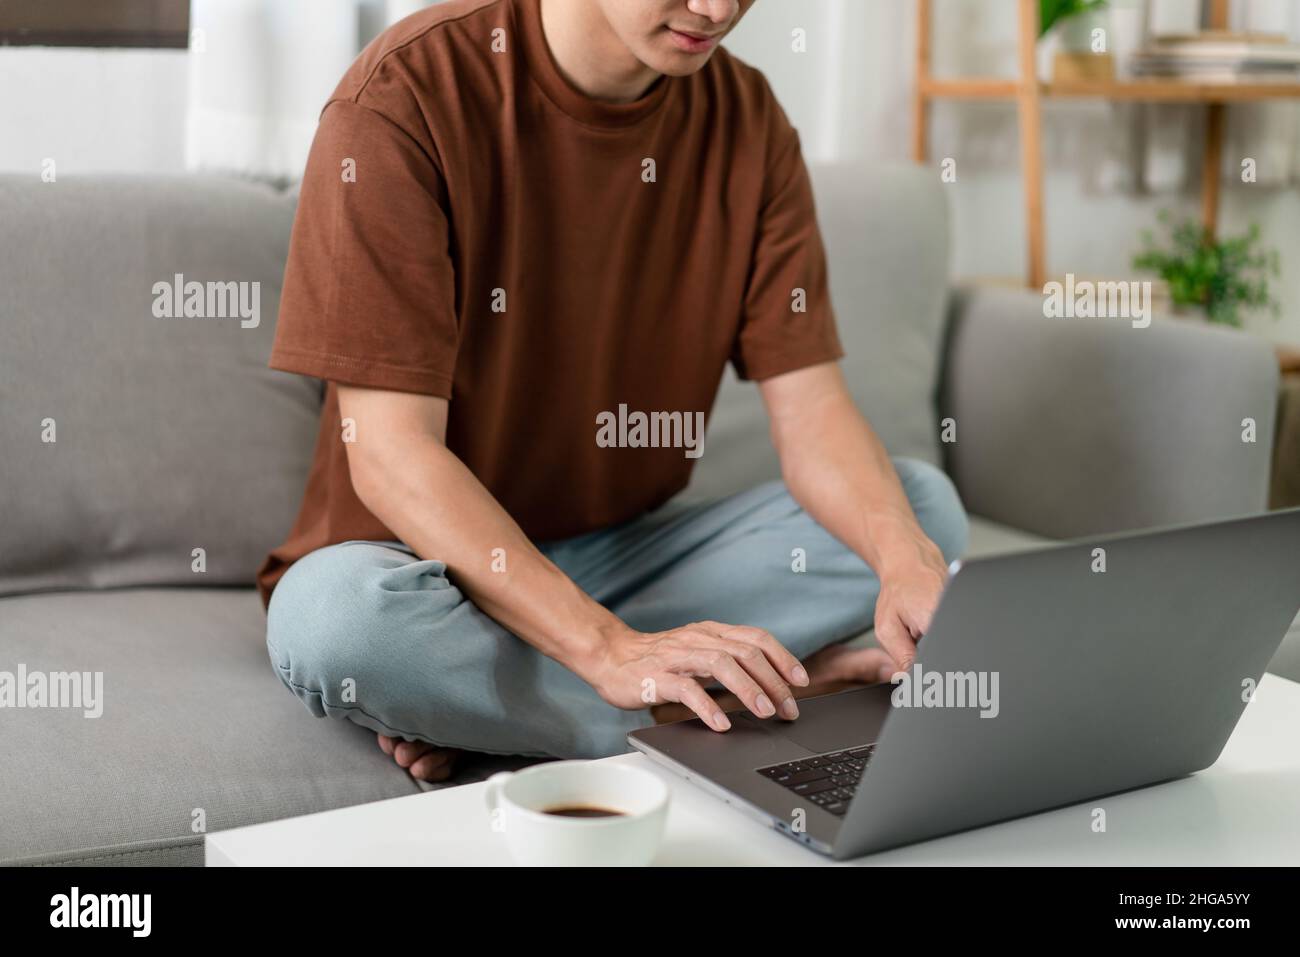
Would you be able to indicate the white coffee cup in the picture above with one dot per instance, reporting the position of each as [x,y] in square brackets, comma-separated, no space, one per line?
[519,801]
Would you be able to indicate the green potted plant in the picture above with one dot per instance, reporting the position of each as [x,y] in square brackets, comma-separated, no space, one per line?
[1052,12]
[1220,277]
[1077,60]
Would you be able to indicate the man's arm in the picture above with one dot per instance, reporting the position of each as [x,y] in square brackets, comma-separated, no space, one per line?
[404,473]
[838,471]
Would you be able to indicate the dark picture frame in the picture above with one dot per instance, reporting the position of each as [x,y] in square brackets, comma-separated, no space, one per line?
[161,24]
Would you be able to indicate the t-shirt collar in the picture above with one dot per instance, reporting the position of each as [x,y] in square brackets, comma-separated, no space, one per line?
[547,75]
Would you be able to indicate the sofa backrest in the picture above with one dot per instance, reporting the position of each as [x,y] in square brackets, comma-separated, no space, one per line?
[128,441]
[886,234]
[1072,428]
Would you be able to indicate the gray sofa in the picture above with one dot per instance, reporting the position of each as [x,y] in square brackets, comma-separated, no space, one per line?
[128,544]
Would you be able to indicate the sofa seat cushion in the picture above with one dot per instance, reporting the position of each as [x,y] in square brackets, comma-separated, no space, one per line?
[988,537]
[1287,660]
[194,720]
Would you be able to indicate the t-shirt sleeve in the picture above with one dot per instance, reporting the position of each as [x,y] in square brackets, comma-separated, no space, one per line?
[369,287]
[787,321]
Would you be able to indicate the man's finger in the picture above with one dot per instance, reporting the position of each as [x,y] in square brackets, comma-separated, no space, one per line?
[895,639]
[786,664]
[688,691]
[919,622]
[760,668]
[719,664]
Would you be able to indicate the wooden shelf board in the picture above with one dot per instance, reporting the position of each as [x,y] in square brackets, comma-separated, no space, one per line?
[1152,90]
[1183,91]
[970,88]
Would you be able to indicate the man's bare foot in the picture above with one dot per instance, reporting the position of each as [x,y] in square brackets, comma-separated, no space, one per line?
[834,668]
[424,761]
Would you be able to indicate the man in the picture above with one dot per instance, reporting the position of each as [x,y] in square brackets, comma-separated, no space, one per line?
[522,221]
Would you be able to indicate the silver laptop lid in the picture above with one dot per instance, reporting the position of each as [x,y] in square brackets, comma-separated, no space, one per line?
[1077,671]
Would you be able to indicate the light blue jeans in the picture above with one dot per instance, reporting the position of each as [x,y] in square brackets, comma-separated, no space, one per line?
[368,632]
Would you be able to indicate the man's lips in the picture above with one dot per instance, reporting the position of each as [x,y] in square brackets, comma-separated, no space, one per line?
[694,42]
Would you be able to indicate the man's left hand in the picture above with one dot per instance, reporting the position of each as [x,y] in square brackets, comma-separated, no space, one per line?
[909,595]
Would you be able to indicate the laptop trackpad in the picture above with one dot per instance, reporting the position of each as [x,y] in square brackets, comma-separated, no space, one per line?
[838,721]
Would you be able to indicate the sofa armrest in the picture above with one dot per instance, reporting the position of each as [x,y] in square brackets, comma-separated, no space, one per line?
[1075,427]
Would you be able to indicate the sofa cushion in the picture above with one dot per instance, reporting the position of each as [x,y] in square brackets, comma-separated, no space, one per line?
[886,237]
[193,718]
[1287,660]
[991,538]
[1073,428]
[170,434]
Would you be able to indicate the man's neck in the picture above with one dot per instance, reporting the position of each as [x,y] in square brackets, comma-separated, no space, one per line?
[590,55]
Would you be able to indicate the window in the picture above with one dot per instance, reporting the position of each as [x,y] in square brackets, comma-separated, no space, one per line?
[95,23]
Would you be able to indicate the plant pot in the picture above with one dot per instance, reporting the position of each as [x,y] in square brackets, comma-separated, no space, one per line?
[1070,67]
[1076,31]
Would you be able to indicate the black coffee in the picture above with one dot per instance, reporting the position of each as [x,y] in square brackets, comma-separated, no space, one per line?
[582,810]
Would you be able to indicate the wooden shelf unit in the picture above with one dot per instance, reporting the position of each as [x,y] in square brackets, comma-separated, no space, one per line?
[1028,92]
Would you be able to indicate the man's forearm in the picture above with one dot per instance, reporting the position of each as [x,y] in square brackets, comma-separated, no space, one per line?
[839,472]
[432,502]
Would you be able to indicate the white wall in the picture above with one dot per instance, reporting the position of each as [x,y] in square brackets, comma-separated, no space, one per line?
[114,110]
[92,111]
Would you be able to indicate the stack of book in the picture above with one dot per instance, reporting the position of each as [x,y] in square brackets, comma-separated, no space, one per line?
[1220,57]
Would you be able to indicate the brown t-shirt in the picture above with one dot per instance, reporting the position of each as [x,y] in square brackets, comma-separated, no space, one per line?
[472,226]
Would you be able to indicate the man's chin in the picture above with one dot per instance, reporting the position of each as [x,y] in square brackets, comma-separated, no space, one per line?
[677,63]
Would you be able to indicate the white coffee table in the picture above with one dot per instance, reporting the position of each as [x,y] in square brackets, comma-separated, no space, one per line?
[1245,810]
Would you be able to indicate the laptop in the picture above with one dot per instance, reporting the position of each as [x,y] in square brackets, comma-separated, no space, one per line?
[1047,678]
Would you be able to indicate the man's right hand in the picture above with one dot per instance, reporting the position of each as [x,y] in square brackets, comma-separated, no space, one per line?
[638,669]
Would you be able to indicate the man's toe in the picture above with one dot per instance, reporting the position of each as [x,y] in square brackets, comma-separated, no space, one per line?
[435,766]
[408,752]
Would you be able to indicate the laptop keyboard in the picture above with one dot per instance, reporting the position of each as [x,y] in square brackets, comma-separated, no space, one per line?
[827,780]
